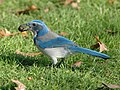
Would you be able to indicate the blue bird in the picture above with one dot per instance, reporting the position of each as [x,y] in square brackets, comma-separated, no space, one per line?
[54,45]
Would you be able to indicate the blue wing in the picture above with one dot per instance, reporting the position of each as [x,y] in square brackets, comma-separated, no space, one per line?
[57,42]
[63,42]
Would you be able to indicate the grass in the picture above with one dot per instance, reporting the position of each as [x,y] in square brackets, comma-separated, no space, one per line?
[93,18]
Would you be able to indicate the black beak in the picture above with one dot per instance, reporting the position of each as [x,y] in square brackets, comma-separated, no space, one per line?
[23,27]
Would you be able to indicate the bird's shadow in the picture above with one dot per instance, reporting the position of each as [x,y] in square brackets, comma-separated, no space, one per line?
[9,86]
[24,60]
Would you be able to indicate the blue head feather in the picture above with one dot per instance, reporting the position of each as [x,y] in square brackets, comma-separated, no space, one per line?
[41,29]
[38,21]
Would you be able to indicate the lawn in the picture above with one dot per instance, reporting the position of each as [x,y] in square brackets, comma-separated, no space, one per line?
[93,18]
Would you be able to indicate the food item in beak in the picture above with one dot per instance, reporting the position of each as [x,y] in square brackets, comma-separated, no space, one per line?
[23,27]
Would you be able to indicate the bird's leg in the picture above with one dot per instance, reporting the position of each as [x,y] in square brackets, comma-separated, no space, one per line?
[62,61]
[54,62]
[51,65]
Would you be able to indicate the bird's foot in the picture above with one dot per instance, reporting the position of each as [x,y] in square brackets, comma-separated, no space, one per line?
[58,64]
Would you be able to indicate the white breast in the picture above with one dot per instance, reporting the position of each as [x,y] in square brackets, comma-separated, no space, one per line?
[58,52]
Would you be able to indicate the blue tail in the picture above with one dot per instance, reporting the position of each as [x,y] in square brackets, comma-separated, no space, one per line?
[88,51]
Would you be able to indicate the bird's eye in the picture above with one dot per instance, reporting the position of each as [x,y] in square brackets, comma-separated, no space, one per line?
[34,24]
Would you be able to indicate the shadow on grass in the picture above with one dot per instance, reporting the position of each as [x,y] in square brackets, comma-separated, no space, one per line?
[24,60]
[9,86]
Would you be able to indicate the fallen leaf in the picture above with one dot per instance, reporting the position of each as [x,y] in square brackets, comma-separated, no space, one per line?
[64,34]
[5,32]
[67,2]
[26,11]
[112,1]
[77,64]
[111,86]
[24,34]
[97,39]
[1,1]
[29,78]
[102,45]
[21,86]
[28,54]
[46,10]
[33,7]
[75,5]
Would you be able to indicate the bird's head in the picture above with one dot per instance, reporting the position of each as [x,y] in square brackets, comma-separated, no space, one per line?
[36,26]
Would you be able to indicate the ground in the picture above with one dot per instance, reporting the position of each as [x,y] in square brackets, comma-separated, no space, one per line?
[92,18]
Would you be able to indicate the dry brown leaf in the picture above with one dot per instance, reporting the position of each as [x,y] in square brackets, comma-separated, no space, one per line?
[112,1]
[102,45]
[26,11]
[97,39]
[5,32]
[112,86]
[1,1]
[28,54]
[77,64]
[64,34]
[67,2]
[21,86]
[33,7]
[46,10]
[24,34]
[75,5]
